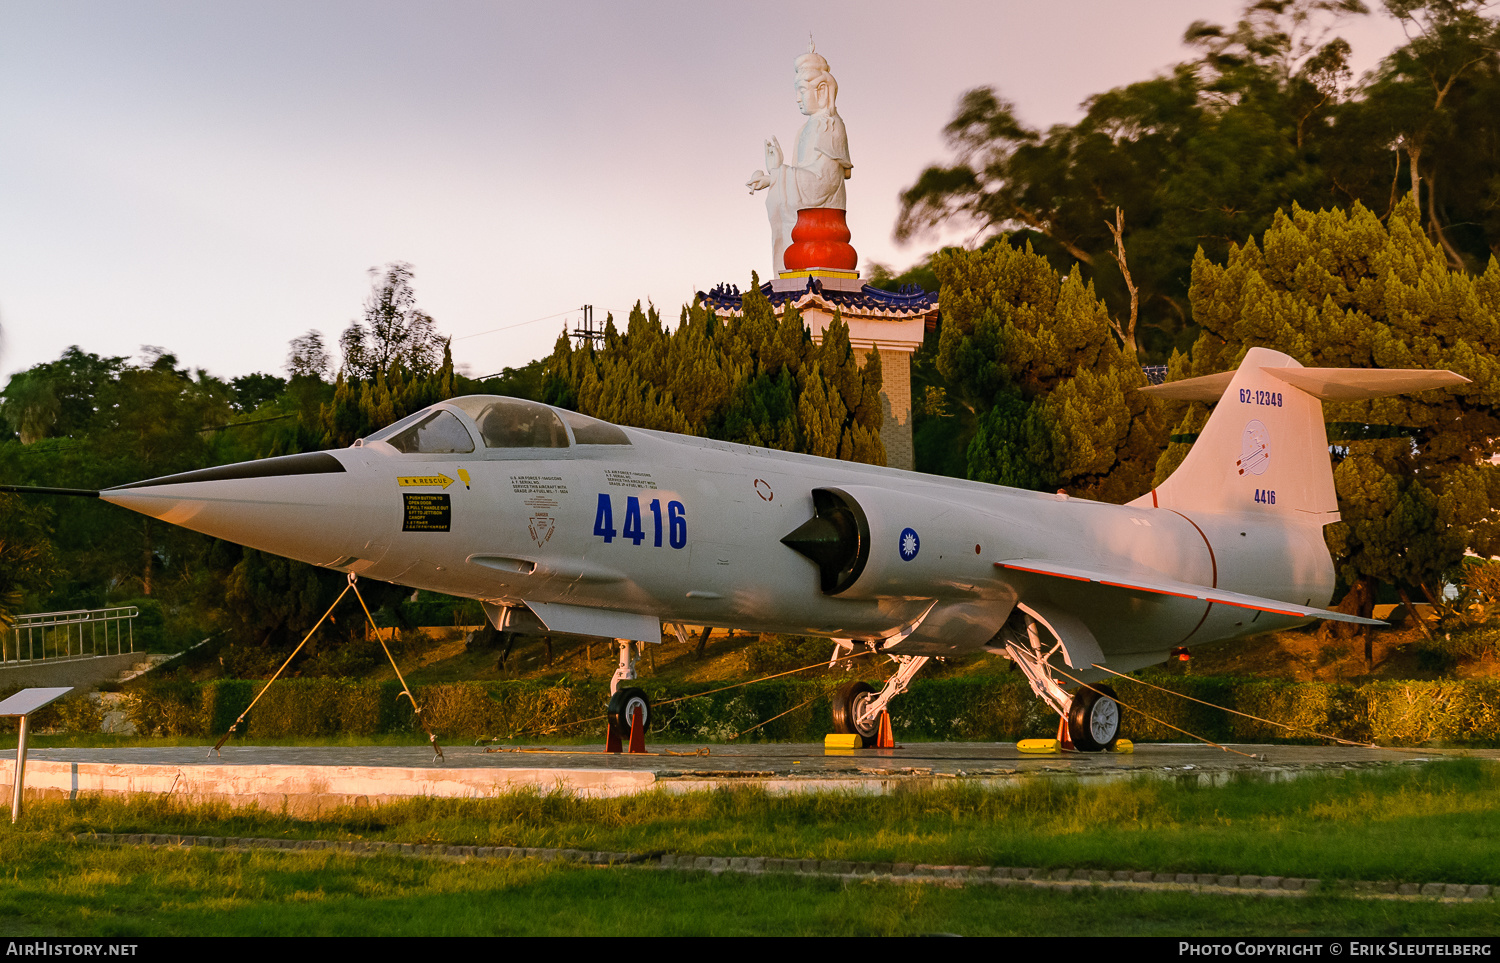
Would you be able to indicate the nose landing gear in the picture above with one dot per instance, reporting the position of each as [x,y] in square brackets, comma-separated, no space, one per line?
[629,713]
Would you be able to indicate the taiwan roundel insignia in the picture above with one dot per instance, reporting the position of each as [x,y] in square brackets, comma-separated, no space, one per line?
[909,545]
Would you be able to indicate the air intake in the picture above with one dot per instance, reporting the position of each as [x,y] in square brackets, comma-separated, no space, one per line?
[836,538]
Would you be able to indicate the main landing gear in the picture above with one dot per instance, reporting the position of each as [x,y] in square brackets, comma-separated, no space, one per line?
[849,703]
[1094,719]
[1090,717]
[857,706]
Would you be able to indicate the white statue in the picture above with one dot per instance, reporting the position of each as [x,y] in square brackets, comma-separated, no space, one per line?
[822,164]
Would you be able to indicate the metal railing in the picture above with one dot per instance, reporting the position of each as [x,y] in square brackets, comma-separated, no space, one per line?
[79,633]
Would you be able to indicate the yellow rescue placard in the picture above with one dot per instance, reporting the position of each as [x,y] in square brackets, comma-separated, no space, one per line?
[423,481]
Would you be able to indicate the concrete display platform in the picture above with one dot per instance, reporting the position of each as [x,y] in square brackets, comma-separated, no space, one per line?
[309,779]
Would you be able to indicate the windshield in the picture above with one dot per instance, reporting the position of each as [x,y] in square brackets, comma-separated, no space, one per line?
[440,432]
[391,429]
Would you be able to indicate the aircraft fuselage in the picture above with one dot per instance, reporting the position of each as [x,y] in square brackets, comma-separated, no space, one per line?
[690,530]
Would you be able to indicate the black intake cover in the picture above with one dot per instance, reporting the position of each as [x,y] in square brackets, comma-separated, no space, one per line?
[837,538]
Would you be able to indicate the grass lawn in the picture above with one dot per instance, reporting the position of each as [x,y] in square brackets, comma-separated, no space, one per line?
[1434,823]
[58,888]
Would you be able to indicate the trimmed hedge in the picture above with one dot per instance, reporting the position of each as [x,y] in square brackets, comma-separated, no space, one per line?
[959,709]
[1412,713]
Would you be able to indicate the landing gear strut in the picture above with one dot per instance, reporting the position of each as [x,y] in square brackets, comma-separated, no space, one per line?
[629,710]
[625,671]
[1091,716]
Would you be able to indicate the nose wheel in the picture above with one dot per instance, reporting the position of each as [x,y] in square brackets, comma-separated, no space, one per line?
[624,707]
[1094,719]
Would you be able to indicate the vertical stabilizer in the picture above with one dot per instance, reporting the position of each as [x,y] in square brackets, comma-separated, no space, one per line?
[1264,448]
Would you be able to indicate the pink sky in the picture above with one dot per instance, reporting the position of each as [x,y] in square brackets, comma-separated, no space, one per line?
[217,178]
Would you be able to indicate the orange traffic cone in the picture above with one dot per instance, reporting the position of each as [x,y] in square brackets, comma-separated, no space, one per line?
[1064,740]
[611,738]
[638,731]
[886,739]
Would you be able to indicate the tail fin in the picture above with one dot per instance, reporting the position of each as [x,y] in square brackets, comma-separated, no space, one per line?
[1264,448]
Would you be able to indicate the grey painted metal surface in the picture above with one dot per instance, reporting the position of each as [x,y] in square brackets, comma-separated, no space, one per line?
[28,701]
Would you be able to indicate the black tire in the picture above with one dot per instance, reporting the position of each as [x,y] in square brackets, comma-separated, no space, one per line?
[621,711]
[850,697]
[1094,719]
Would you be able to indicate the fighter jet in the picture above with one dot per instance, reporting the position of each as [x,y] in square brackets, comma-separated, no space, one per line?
[562,522]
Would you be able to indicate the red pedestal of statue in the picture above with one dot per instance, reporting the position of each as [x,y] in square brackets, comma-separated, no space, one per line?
[821,240]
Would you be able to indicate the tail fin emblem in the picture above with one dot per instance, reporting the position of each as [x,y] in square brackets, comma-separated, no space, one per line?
[1255,449]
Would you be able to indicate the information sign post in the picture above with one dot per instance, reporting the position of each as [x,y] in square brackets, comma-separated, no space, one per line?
[23,704]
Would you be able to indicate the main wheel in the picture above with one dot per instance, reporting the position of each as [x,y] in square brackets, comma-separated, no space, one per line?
[1094,719]
[621,710]
[847,701]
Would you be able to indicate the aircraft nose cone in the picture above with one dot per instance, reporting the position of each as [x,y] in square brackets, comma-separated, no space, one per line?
[304,506]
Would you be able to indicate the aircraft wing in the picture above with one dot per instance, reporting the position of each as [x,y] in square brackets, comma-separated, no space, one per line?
[1186,590]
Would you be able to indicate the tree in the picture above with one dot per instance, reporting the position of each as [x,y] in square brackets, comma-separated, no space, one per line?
[253,390]
[523,382]
[395,362]
[361,407]
[756,378]
[151,422]
[1029,353]
[394,330]
[1344,290]
[307,357]
[1264,117]
[57,399]
[27,559]
[1436,102]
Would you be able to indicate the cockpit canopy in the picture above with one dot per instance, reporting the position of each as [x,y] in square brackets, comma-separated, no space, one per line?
[498,423]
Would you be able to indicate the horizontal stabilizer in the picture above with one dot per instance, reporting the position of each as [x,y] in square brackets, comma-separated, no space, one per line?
[1358,384]
[1186,590]
[1325,384]
[1207,388]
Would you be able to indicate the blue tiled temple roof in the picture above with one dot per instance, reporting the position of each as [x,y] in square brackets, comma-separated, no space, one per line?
[911,299]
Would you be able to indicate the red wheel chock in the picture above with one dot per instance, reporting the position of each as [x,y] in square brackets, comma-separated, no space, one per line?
[613,743]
